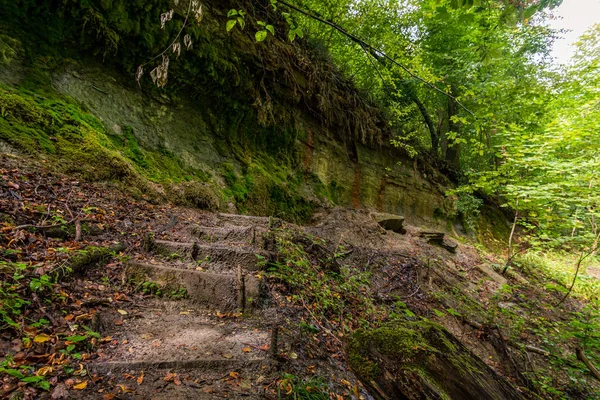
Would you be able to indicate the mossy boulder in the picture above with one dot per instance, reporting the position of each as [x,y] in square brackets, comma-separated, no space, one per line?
[422,360]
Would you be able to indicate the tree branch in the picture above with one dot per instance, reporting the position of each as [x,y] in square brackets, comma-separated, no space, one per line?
[374,50]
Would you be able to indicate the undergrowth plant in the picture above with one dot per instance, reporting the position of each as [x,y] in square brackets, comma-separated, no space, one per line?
[314,284]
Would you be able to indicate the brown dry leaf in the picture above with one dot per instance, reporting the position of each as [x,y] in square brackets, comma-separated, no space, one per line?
[81,386]
[128,376]
[82,316]
[169,377]
[44,371]
[246,349]
[228,355]
[346,383]
[122,312]
[108,396]
[265,347]
[234,375]
[140,379]
[124,389]
[41,338]
[177,381]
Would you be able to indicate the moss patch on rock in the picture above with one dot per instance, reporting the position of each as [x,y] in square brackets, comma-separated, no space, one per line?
[421,359]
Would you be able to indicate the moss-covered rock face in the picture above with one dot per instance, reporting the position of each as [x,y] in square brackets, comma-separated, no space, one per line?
[231,132]
[421,360]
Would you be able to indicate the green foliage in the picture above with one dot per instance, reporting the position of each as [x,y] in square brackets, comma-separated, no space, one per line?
[292,387]
[311,281]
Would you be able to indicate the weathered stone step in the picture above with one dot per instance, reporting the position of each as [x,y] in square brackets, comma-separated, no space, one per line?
[248,235]
[177,334]
[203,379]
[213,365]
[225,292]
[248,259]
[248,220]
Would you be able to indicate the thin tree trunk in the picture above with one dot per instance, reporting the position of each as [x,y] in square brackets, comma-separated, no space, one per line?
[509,255]
[581,259]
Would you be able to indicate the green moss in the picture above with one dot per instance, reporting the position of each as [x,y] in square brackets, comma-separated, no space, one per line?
[90,257]
[76,142]
[408,344]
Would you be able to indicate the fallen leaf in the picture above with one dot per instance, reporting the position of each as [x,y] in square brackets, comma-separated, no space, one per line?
[234,375]
[82,316]
[184,313]
[177,381]
[125,389]
[140,379]
[228,355]
[265,347]
[108,396]
[293,355]
[169,377]
[246,349]
[122,312]
[13,185]
[44,371]
[41,338]
[246,384]
[81,386]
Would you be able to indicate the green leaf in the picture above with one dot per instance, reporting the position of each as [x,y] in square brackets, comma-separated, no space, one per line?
[530,11]
[76,338]
[299,32]
[271,29]
[261,35]
[12,372]
[230,24]
[292,35]
[33,379]
[232,13]
[241,22]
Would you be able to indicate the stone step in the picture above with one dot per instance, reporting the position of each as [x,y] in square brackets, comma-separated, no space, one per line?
[203,379]
[177,334]
[247,235]
[233,256]
[248,220]
[157,338]
[220,291]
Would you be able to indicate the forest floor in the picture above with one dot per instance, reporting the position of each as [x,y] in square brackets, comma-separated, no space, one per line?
[95,301]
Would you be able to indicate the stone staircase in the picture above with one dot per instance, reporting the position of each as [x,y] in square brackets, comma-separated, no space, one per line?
[216,261]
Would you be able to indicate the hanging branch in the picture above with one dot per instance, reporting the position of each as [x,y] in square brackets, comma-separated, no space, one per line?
[374,51]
